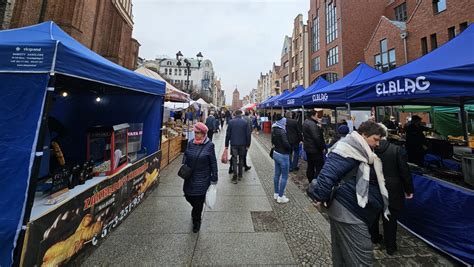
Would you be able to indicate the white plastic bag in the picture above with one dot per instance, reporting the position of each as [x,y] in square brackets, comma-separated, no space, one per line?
[211,196]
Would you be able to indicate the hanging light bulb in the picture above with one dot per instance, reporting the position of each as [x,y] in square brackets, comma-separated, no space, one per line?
[64,94]
[98,99]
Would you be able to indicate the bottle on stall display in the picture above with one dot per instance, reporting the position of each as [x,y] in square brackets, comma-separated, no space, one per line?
[83,176]
[75,173]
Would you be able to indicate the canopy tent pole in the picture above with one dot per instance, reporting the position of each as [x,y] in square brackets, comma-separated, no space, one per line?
[271,115]
[335,119]
[464,121]
[302,115]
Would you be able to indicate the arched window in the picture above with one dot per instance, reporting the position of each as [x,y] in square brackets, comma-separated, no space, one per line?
[168,63]
[166,71]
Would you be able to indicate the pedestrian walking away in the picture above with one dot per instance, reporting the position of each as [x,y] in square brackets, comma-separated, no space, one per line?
[314,145]
[353,185]
[211,123]
[200,155]
[293,131]
[416,144]
[238,136]
[399,186]
[248,119]
[281,157]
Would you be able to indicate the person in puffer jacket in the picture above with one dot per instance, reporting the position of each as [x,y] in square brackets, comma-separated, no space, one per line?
[200,155]
[353,175]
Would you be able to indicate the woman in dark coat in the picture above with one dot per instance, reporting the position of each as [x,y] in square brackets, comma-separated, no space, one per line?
[201,156]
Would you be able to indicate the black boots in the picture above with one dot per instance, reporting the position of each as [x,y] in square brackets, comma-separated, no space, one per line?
[196,227]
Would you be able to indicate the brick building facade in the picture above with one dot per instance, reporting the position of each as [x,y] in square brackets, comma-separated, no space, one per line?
[338,34]
[236,101]
[412,28]
[285,63]
[104,26]
[299,68]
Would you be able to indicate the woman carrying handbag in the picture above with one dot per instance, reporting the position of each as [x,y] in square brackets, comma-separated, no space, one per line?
[281,156]
[200,156]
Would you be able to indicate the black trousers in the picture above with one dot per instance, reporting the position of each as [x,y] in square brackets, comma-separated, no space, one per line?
[389,229]
[315,164]
[238,152]
[197,202]
[210,133]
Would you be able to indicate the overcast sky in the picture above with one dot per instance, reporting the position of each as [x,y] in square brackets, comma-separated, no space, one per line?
[241,37]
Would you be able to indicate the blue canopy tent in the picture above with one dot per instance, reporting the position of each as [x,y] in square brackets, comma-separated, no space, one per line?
[440,213]
[276,102]
[267,103]
[37,63]
[335,93]
[316,86]
[261,105]
[287,101]
[444,76]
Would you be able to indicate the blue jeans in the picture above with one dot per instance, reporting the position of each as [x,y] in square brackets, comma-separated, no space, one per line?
[295,150]
[282,165]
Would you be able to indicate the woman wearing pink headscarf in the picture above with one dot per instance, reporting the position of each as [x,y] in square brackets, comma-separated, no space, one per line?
[201,157]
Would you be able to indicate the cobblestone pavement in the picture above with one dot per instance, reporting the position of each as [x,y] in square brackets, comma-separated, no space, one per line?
[412,250]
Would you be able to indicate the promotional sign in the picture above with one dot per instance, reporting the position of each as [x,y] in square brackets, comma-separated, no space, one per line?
[68,232]
[419,85]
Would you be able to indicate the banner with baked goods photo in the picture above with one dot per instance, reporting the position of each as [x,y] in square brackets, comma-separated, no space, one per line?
[68,233]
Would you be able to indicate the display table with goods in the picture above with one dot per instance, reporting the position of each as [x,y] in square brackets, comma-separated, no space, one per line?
[81,149]
[170,145]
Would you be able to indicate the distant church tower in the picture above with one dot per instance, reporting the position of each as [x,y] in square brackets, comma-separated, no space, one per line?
[236,102]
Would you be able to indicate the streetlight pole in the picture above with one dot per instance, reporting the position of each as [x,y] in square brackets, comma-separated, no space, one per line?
[179,57]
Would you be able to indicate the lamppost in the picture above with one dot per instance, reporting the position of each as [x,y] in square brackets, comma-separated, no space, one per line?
[179,57]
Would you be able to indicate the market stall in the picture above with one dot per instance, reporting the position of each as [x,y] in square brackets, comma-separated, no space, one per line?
[172,135]
[445,76]
[80,143]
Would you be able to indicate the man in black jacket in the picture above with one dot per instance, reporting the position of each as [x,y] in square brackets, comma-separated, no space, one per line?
[399,185]
[293,131]
[238,135]
[314,145]
[416,144]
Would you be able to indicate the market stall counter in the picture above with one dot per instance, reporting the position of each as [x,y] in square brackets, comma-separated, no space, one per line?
[73,167]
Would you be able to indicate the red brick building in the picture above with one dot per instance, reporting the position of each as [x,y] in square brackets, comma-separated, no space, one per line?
[236,101]
[412,28]
[104,26]
[338,34]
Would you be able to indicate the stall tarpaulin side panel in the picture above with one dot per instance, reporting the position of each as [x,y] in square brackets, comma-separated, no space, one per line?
[22,98]
[442,214]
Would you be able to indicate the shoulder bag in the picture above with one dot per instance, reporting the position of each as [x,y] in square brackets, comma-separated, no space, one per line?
[185,171]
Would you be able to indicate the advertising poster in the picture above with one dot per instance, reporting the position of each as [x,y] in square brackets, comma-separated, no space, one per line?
[71,230]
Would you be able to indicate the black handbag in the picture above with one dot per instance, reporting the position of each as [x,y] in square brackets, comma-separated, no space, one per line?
[271,152]
[185,171]
[334,189]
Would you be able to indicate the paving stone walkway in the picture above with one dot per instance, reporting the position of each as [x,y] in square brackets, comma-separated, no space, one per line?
[247,226]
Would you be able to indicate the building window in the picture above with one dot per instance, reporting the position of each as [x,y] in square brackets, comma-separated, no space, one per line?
[401,12]
[189,72]
[185,72]
[330,77]
[331,22]
[168,63]
[451,32]
[285,65]
[462,26]
[315,32]
[180,72]
[332,56]
[424,46]
[176,72]
[166,71]
[315,64]
[285,78]
[439,5]
[433,41]
[386,60]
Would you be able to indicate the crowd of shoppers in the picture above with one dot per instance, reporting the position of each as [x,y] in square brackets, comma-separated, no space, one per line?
[362,178]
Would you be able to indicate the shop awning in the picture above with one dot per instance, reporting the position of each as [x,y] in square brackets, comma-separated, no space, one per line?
[172,93]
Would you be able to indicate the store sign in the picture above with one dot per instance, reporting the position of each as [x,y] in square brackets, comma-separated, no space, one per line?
[64,235]
[404,86]
[290,101]
[322,97]
[24,58]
